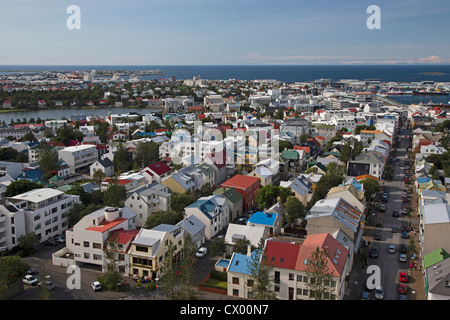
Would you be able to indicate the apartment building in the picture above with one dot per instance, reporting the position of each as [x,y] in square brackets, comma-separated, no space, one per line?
[150,247]
[42,211]
[79,158]
[85,241]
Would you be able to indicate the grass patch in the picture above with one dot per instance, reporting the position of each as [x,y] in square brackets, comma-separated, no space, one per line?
[215,283]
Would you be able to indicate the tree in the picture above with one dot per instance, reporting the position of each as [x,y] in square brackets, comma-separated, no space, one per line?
[186,287]
[111,276]
[346,153]
[268,195]
[294,210]
[260,272]
[146,153]
[29,136]
[121,163]
[12,268]
[241,246]
[370,187]
[319,275]
[115,195]
[179,201]
[169,268]
[48,158]
[283,144]
[98,176]
[162,217]
[217,247]
[11,154]
[20,186]
[28,241]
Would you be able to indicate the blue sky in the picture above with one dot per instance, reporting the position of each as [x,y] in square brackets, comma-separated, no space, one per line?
[224,32]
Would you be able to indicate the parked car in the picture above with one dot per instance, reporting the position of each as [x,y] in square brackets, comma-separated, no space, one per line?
[31,271]
[365,295]
[391,248]
[402,288]
[402,258]
[29,279]
[59,240]
[50,243]
[403,248]
[404,235]
[403,277]
[382,207]
[373,253]
[48,284]
[377,236]
[395,213]
[201,252]
[394,229]
[96,285]
[379,293]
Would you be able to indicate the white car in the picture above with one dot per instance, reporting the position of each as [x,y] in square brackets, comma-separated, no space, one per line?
[379,293]
[391,248]
[403,258]
[201,252]
[96,285]
[29,279]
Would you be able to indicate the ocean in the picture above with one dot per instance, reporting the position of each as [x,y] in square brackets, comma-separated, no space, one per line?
[290,74]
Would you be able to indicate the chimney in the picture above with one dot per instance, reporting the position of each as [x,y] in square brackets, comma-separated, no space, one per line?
[249,250]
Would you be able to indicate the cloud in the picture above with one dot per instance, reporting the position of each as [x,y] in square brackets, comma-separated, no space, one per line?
[432,59]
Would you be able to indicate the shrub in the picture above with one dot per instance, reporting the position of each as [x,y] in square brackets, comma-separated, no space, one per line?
[150,286]
[219,275]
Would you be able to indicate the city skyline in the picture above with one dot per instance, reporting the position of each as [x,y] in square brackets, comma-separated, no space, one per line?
[201,32]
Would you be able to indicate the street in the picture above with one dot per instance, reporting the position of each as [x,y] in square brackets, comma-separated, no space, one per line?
[389,263]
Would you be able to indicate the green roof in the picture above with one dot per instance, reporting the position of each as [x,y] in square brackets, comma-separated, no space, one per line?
[434,257]
[65,188]
[56,178]
[290,154]
[231,194]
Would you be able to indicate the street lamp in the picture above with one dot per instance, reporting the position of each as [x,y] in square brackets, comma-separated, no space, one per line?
[157,293]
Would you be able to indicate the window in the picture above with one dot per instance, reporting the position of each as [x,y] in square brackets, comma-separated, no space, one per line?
[291,276]
[235,292]
[235,280]
[299,278]
[142,249]
[87,255]
[96,245]
[86,244]
[250,282]
[305,292]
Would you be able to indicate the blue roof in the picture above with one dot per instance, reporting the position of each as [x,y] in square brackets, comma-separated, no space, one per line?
[240,262]
[205,206]
[423,180]
[146,134]
[267,218]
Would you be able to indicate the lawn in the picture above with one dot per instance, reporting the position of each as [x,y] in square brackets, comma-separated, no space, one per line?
[215,283]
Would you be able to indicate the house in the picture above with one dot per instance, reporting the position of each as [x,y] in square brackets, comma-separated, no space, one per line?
[195,229]
[239,275]
[369,162]
[105,165]
[85,241]
[179,182]
[435,227]
[268,171]
[291,263]
[213,211]
[12,169]
[330,215]
[208,174]
[270,220]
[350,194]
[127,183]
[31,174]
[293,157]
[149,249]
[247,186]
[235,201]
[247,232]
[156,171]
[302,189]
[436,265]
[148,199]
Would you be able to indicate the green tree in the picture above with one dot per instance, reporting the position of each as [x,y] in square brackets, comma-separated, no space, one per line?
[29,136]
[20,186]
[169,269]
[99,176]
[12,268]
[28,242]
[241,246]
[121,163]
[294,210]
[217,247]
[346,153]
[48,158]
[115,195]
[260,269]
[111,250]
[186,281]
[146,153]
[370,187]
[319,275]
[179,201]
[268,195]
[162,217]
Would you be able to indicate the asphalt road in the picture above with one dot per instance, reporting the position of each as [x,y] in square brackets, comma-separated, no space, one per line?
[389,263]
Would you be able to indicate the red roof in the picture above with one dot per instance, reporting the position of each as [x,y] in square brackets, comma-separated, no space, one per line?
[120,181]
[240,181]
[122,236]
[105,225]
[306,149]
[282,254]
[158,168]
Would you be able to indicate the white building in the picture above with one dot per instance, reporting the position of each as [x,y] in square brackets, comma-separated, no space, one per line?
[79,158]
[85,241]
[42,211]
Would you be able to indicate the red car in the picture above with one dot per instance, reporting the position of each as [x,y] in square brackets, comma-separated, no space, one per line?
[402,288]
[403,277]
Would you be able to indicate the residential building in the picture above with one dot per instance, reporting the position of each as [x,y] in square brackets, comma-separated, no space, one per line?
[245,185]
[435,227]
[42,211]
[105,165]
[12,169]
[148,199]
[79,158]
[150,247]
[235,201]
[240,280]
[195,229]
[156,171]
[85,241]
